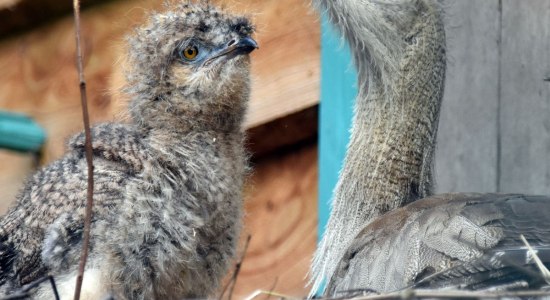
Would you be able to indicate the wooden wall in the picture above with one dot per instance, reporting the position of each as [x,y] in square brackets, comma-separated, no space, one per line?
[495,123]
[281,216]
[38,78]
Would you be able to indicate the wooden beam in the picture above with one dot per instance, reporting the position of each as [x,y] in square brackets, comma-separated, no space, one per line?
[281,217]
[286,68]
[467,136]
[525,103]
[14,169]
[284,132]
[20,15]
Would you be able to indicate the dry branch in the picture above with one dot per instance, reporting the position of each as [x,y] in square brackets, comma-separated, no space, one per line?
[23,293]
[236,272]
[538,262]
[88,146]
[272,288]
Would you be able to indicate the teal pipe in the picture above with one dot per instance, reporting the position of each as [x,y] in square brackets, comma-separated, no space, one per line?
[20,133]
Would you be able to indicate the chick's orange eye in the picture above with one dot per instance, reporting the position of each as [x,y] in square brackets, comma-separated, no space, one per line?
[190,52]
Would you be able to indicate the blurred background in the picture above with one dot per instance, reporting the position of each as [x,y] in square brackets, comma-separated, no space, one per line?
[494,131]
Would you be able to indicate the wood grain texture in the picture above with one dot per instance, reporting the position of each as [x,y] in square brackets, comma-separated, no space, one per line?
[466,157]
[286,69]
[14,169]
[281,216]
[283,133]
[495,123]
[525,103]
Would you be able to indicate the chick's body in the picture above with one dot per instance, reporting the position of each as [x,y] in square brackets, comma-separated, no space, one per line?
[167,186]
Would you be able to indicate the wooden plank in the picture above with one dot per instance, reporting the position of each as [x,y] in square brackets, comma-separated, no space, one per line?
[466,156]
[284,132]
[287,31]
[8,4]
[286,68]
[19,15]
[525,102]
[281,216]
[14,169]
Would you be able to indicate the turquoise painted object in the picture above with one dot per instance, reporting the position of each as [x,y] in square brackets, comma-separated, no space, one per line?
[338,91]
[19,132]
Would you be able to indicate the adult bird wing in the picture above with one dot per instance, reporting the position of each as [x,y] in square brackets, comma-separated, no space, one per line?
[466,241]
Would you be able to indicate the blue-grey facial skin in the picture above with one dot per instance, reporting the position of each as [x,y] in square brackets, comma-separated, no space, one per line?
[200,54]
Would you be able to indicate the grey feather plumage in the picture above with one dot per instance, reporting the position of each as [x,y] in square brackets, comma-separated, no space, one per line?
[380,237]
[168,185]
[461,241]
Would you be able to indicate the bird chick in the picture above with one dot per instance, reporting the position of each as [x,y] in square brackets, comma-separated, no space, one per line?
[168,185]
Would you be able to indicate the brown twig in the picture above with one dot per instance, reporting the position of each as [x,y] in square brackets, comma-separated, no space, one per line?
[233,280]
[23,293]
[88,146]
[272,288]
[257,293]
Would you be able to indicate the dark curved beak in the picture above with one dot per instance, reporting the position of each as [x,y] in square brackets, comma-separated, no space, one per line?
[233,48]
[246,45]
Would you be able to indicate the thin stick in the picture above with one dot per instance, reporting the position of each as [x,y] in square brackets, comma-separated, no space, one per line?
[238,267]
[23,293]
[233,280]
[257,293]
[272,288]
[88,146]
[545,272]
[449,294]
[54,287]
